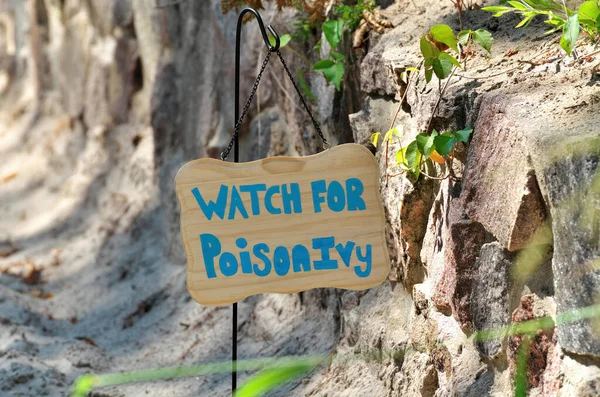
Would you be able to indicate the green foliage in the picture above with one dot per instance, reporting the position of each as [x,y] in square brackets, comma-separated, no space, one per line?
[349,16]
[440,38]
[304,86]
[333,30]
[83,385]
[353,14]
[481,37]
[283,40]
[570,34]
[333,68]
[436,60]
[558,16]
[303,28]
[272,378]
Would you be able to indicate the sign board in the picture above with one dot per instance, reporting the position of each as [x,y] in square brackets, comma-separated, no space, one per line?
[282,224]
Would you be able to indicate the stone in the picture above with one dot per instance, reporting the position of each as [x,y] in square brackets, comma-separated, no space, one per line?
[541,344]
[490,296]
[462,244]
[267,136]
[418,377]
[381,67]
[577,379]
[375,116]
[573,184]
[497,158]
[407,203]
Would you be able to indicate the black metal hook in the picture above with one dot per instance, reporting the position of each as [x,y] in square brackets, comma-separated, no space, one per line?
[261,25]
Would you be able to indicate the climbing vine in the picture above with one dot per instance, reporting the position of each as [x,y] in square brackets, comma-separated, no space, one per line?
[558,16]
[439,50]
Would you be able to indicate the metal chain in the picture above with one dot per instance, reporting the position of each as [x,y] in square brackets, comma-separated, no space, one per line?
[238,124]
[317,127]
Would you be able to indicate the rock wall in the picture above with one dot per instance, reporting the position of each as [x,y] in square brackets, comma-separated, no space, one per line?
[103,101]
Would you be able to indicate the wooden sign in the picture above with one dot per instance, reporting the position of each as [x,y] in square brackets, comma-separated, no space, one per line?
[282,224]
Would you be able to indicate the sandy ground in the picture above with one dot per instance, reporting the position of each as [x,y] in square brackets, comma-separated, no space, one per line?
[85,283]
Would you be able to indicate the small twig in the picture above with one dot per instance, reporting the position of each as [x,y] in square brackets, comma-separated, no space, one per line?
[583,57]
[287,94]
[404,96]
[442,92]
[435,178]
[394,121]
[488,77]
[398,174]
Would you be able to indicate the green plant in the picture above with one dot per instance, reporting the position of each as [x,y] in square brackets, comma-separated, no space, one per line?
[354,14]
[333,68]
[558,16]
[436,60]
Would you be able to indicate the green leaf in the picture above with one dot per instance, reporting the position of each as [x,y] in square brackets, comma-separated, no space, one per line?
[84,384]
[323,65]
[333,71]
[332,30]
[444,143]
[525,21]
[304,86]
[498,10]
[283,40]
[450,58]
[517,5]
[269,379]
[375,138]
[444,34]
[464,36]
[543,5]
[484,39]
[412,152]
[394,131]
[425,143]
[442,67]
[570,34]
[428,75]
[598,24]
[401,159]
[337,56]
[427,48]
[463,135]
[589,12]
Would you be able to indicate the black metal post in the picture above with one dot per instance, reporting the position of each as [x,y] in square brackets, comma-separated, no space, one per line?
[236,146]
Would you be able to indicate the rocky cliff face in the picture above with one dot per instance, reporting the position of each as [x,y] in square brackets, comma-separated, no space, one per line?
[102,102]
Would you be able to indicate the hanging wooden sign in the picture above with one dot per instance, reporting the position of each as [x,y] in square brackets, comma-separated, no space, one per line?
[282,224]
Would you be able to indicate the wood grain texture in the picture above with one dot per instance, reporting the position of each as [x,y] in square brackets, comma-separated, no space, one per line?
[362,226]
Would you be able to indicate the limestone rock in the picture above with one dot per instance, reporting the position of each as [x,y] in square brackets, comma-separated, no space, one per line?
[496,158]
[490,296]
[462,244]
[381,67]
[541,345]
[418,377]
[573,183]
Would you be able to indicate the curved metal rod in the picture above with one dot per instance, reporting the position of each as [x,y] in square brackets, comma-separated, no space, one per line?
[261,25]
[271,48]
